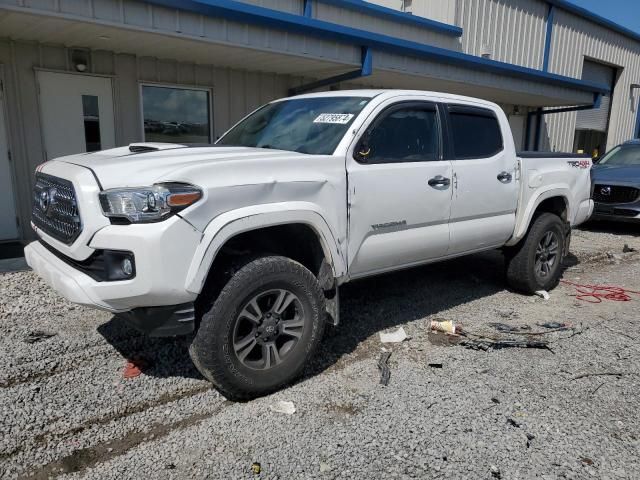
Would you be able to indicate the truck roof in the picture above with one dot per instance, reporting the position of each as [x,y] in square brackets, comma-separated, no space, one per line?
[388,93]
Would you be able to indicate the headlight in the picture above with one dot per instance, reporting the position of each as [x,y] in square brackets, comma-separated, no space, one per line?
[148,204]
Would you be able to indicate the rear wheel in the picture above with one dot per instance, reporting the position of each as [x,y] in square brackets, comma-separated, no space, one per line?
[265,324]
[535,263]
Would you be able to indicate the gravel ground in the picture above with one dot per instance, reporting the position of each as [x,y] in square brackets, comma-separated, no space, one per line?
[570,411]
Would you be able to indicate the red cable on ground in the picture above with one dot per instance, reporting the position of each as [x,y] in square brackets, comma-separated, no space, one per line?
[597,293]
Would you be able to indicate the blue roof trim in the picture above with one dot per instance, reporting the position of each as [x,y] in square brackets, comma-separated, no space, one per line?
[244,12]
[589,15]
[394,15]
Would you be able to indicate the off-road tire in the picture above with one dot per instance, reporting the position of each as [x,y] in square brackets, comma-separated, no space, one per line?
[212,349]
[521,259]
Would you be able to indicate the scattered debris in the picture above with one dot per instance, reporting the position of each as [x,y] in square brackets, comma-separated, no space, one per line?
[394,337]
[543,294]
[602,374]
[597,293]
[135,366]
[288,408]
[485,343]
[530,438]
[445,326]
[553,325]
[495,472]
[443,339]
[597,388]
[131,370]
[383,365]
[256,468]
[503,327]
[628,249]
[513,423]
[435,365]
[37,336]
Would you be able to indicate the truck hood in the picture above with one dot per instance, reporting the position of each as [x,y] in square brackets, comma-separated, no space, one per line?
[148,163]
[628,174]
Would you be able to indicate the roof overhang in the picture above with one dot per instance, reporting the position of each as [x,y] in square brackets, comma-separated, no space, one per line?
[396,63]
[309,26]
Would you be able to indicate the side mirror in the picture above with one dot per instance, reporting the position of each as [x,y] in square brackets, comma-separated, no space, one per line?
[363,150]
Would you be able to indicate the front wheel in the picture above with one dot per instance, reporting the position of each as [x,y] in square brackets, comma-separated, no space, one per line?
[535,263]
[263,327]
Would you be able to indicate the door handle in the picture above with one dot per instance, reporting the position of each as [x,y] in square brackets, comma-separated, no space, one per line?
[439,181]
[505,177]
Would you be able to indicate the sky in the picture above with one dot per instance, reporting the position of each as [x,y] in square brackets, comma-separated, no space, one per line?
[623,12]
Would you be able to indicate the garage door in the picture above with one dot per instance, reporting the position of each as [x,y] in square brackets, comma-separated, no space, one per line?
[597,118]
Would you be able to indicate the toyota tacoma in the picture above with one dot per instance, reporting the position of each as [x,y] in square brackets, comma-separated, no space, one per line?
[244,244]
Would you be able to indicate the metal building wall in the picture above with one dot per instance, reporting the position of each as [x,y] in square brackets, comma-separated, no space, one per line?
[235,92]
[575,38]
[440,10]
[511,31]
[355,19]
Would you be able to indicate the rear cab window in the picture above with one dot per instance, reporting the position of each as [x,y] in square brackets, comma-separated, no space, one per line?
[473,132]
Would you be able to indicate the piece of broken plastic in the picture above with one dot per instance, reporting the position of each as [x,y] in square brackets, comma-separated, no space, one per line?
[394,337]
[131,370]
[288,408]
[444,326]
[543,294]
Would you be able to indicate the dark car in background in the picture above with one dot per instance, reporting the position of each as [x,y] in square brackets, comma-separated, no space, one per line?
[616,177]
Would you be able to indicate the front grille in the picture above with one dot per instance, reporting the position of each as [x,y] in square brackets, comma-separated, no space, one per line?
[55,210]
[615,194]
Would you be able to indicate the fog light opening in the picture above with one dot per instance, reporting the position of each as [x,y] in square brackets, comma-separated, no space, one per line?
[127,267]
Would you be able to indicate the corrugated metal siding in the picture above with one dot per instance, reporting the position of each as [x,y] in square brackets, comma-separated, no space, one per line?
[440,10]
[235,93]
[587,39]
[181,24]
[289,6]
[334,14]
[511,31]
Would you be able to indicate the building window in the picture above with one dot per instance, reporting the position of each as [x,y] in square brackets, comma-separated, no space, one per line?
[176,115]
[91,116]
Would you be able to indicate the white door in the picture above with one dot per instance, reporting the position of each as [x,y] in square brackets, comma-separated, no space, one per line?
[486,190]
[77,113]
[8,225]
[399,191]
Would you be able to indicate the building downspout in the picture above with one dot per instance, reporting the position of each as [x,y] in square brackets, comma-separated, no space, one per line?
[545,68]
[597,99]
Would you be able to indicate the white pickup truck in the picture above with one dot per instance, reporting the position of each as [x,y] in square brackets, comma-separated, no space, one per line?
[245,243]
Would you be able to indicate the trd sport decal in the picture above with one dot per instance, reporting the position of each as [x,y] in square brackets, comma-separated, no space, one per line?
[579,163]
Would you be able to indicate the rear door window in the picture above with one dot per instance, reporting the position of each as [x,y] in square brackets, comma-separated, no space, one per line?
[474,132]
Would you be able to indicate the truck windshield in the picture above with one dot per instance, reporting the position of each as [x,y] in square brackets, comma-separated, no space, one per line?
[622,155]
[304,125]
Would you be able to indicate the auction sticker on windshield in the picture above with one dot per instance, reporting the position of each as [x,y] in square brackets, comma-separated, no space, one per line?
[339,118]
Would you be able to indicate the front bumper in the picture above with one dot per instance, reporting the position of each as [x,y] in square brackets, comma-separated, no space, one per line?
[162,252]
[619,212]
